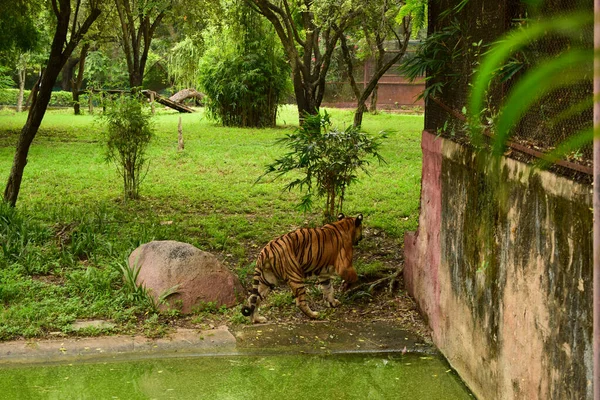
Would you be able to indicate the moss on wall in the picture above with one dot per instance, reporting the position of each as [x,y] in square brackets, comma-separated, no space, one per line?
[499,222]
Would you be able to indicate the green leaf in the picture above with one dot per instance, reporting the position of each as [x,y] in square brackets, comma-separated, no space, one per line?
[568,25]
[564,70]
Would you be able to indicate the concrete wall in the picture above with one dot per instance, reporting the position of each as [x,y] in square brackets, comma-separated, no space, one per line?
[504,276]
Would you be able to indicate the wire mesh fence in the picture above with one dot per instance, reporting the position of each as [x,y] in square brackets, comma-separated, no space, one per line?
[466,30]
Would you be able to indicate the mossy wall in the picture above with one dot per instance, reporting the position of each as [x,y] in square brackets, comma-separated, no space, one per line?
[513,294]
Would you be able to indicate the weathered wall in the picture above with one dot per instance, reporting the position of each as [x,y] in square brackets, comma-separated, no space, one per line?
[504,276]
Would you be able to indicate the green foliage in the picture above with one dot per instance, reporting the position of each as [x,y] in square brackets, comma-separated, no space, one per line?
[328,160]
[19,237]
[432,57]
[58,98]
[417,11]
[184,64]
[19,25]
[6,80]
[102,71]
[244,73]
[281,298]
[128,135]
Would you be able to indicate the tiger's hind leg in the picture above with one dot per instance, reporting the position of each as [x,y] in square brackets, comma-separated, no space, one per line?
[299,291]
[328,293]
[263,291]
[261,286]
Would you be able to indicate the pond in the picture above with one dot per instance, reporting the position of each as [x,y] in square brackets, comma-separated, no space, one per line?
[347,376]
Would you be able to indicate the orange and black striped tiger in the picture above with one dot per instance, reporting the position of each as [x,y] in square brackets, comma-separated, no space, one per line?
[303,253]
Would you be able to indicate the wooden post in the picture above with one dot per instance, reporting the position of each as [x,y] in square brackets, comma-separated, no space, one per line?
[152,105]
[180,136]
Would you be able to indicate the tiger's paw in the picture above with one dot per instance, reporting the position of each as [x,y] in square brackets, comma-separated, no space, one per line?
[333,303]
[259,320]
[313,315]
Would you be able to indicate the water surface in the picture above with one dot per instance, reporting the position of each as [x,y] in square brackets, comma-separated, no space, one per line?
[288,377]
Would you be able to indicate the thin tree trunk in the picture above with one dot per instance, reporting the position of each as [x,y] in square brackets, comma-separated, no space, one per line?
[22,76]
[76,82]
[67,73]
[373,106]
[34,119]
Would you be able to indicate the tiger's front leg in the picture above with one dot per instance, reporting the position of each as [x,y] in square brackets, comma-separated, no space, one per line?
[299,291]
[327,290]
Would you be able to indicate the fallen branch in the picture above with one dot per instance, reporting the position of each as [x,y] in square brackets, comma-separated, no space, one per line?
[372,285]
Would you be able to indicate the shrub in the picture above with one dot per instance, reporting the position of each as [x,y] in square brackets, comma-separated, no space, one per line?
[128,135]
[8,97]
[243,73]
[328,160]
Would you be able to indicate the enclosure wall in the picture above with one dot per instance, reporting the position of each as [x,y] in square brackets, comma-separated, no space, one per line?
[501,266]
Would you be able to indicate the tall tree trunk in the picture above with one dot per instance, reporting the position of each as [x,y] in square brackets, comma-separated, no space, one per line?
[136,78]
[34,119]
[308,64]
[67,73]
[76,82]
[22,75]
[137,31]
[358,114]
[306,103]
[60,51]
[373,106]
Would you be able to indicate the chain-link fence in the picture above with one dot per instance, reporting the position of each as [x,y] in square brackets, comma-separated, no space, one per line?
[394,90]
[466,30]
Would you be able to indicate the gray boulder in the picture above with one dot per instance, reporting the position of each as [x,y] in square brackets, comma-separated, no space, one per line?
[196,276]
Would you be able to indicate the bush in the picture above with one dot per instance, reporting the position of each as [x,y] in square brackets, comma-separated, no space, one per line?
[244,73]
[8,97]
[129,133]
[328,160]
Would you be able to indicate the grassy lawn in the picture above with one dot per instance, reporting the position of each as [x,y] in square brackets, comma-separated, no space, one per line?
[64,246]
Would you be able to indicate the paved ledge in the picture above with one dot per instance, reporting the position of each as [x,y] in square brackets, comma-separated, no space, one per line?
[312,337]
[182,341]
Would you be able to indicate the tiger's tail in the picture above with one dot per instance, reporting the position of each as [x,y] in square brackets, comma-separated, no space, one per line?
[249,310]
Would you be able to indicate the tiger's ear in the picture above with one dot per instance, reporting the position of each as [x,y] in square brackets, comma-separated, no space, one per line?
[358,220]
[341,216]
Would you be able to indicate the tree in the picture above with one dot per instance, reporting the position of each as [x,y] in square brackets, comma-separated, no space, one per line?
[306,30]
[22,63]
[375,24]
[184,63]
[69,31]
[243,73]
[17,19]
[78,80]
[138,22]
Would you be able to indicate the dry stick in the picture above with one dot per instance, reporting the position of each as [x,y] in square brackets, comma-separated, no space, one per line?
[152,104]
[180,136]
[373,284]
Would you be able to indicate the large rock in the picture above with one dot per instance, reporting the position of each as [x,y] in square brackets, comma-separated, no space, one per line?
[197,276]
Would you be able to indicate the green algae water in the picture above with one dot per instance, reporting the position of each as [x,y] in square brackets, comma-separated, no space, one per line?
[288,377]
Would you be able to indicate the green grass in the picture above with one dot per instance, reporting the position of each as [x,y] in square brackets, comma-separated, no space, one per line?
[64,246]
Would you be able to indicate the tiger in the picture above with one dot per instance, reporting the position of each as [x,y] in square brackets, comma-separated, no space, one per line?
[302,253]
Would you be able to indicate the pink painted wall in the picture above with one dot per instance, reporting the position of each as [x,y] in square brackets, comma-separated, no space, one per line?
[505,279]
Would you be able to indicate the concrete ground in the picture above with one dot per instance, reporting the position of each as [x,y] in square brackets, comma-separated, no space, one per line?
[310,337]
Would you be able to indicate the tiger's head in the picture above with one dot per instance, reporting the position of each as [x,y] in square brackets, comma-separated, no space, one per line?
[357,222]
